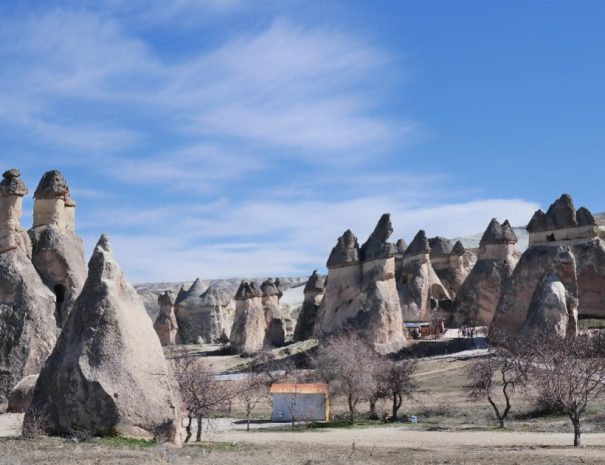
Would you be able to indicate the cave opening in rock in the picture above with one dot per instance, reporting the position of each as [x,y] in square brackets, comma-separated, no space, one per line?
[60,295]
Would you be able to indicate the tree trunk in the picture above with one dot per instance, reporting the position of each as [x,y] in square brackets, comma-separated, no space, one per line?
[373,415]
[188,427]
[397,400]
[198,436]
[576,432]
[351,408]
[248,421]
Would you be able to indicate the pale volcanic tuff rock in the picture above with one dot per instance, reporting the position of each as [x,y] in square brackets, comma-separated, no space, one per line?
[478,298]
[560,226]
[554,305]
[107,373]
[363,296]
[28,329]
[275,332]
[452,263]
[12,235]
[58,253]
[204,314]
[20,397]
[165,324]
[417,282]
[313,292]
[249,325]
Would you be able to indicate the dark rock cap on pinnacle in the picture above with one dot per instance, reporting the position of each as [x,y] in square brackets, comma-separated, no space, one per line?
[345,252]
[377,245]
[585,218]
[270,288]
[247,290]
[215,297]
[440,246]
[51,186]
[560,215]
[166,299]
[401,246]
[316,283]
[12,184]
[497,233]
[458,249]
[419,245]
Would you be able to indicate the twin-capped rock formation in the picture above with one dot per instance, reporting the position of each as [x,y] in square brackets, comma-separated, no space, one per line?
[361,292]
[452,263]
[204,314]
[58,253]
[477,299]
[28,329]
[275,334]
[417,282]
[313,292]
[107,373]
[557,239]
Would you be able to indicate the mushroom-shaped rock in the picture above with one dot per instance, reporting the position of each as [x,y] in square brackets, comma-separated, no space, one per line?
[12,184]
[165,324]
[249,324]
[377,245]
[20,397]
[313,293]
[107,373]
[345,252]
[562,213]
[400,247]
[497,233]
[508,234]
[52,185]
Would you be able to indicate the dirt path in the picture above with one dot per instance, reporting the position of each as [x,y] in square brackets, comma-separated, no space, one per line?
[405,438]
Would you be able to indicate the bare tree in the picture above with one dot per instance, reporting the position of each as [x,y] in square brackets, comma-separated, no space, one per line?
[504,369]
[396,382]
[202,394]
[252,391]
[349,365]
[570,374]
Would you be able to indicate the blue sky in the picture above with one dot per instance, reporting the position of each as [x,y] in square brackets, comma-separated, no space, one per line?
[224,138]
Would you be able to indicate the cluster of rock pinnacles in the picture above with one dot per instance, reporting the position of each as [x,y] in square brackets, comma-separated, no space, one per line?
[77,347]
[76,344]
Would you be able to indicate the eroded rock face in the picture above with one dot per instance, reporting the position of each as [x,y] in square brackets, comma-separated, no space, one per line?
[314,292]
[20,397]
[417,281]
[560,228]
[165,324]
[204,314]
[554,305]
[452,263]
[249,325]
[58,253]
[28,329]
[477,299]
[276,333]
[362,296]
[107,373]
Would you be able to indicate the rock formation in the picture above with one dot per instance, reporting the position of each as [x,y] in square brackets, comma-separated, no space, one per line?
[476,302]
[275,333]
[165,324]
[452,263]
[58,254]
[20,397]
[249,325]
[554,305]
[27,327]
[560,227]
[107,374]
[204,314]
[314,292]
[361,293]
[417,282]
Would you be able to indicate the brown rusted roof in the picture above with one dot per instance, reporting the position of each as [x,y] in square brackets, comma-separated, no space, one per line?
[299,388]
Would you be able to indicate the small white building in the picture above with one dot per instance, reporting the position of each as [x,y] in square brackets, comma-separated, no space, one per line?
[300,402]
